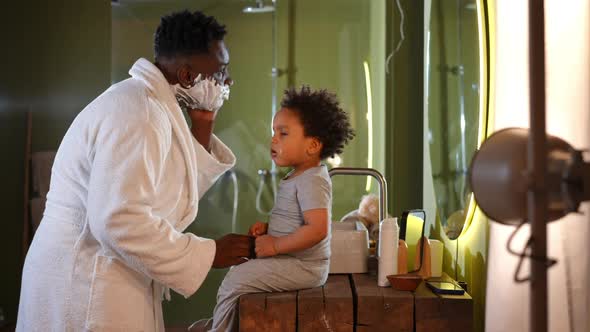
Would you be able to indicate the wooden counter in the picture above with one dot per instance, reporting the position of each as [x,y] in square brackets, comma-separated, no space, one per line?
[349,302]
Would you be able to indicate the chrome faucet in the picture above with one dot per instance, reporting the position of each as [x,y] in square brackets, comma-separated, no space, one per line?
[370,172]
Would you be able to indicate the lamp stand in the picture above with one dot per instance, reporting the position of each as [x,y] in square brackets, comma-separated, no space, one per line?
[537,154]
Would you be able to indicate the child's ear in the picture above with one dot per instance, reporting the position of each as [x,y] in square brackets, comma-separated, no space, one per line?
[314,147]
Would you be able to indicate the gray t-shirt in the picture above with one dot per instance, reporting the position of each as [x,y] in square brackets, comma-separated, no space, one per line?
[309,190]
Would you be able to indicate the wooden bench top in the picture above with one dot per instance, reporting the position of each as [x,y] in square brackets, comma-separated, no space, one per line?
[436,312]
[381,308]
[349,301]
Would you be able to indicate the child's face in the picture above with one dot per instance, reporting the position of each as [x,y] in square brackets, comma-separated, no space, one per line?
[289,146]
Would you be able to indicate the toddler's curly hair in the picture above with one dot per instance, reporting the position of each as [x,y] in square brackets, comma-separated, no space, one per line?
[321,116]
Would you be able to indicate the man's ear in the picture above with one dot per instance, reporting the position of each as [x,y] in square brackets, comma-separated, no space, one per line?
[315,146]
[183,75]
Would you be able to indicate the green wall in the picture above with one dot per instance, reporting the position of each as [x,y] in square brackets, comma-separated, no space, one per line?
[333,40]
[56,58]
[404,100]
[12,128]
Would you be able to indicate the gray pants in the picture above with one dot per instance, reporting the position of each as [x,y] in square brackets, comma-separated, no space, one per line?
[274,274]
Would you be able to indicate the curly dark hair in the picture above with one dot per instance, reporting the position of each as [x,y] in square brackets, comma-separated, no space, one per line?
[186,33]
[321,116]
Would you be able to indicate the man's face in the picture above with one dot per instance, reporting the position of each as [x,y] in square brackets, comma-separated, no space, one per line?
[213,64]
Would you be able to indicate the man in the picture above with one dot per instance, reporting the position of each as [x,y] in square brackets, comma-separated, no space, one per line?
[125,183]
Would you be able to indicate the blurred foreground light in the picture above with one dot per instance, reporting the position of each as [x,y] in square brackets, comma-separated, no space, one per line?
[499,178]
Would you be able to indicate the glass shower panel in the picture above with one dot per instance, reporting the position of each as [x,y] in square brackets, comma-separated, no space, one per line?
[453,105]
[333,44]
[340,45]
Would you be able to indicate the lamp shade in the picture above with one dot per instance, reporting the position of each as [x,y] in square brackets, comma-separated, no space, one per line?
[499,181]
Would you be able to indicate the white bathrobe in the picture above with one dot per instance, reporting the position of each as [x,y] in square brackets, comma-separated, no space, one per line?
[125,183]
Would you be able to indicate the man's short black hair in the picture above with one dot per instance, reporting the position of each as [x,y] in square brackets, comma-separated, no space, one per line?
[321,116]
[186,33]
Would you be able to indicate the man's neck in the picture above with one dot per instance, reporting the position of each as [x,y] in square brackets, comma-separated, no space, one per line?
[165,67]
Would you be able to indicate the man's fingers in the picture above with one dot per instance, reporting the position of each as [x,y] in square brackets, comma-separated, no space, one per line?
[241,253]
[242,245]
[239,240]
[240,250]
[232,248]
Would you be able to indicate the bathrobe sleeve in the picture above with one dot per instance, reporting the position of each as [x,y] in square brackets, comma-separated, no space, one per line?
[126,171]
[212,165]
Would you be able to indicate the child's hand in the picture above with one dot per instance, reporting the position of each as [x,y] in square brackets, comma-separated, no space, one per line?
[265,246]
[259,228]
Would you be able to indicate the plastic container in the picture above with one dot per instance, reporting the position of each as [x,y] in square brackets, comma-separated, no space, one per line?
[387,250]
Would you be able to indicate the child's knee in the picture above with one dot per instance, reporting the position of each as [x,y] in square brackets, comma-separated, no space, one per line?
[232,283]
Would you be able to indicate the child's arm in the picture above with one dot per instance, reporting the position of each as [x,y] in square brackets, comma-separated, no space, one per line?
[314,230]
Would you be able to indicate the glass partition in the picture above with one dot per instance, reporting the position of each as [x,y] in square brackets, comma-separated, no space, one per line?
[333,44]
[455,92]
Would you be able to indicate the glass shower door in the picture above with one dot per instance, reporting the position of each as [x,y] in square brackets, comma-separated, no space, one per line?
[334,44]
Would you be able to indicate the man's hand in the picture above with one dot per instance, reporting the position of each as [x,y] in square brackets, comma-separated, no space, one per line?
[258,229]
[204,94]
[232,249]
[202,126]
[265,246]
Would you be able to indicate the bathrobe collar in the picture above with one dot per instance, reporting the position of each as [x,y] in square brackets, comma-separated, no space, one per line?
[162,93]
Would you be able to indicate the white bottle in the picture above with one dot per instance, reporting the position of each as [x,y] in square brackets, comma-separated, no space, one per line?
[387,255]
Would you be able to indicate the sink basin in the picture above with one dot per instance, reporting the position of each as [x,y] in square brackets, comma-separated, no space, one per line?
[349,247]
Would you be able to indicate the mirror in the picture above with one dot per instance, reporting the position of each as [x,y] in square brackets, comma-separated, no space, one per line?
[455,93]
[411,230]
